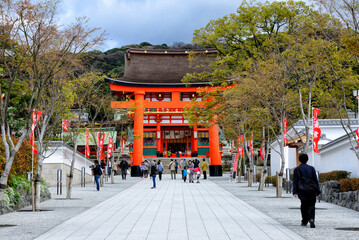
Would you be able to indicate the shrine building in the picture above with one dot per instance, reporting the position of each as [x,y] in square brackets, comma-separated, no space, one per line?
[153,93]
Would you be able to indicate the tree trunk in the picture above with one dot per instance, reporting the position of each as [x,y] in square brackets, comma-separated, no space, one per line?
[262,181]
[38,180]
[10,152]
[279,186]
[40,157]
[37,194]
[250,177]
[5,176]
[70,176]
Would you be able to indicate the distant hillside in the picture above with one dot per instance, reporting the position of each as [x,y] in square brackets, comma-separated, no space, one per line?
[111,62]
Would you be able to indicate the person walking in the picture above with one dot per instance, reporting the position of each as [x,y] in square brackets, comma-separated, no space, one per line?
[97,172]
[190,171]
[153,174]
[184,173]
[109,167]
[176,168]
[306,188]
[146,168]
[172,168]
[204,168]
[160,169]
[196,163]
[182,165]
[115,167]
[123,167]
[103,167]
[142,167]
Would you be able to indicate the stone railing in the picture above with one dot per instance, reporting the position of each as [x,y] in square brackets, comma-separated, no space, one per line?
[331,193]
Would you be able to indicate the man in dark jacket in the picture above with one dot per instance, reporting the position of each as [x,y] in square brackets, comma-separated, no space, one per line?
[97,172]
[124,167]
[153,173]
[307,197]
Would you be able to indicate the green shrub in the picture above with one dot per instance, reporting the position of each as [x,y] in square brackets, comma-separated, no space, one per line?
[226,167]
[333,176]
[44,188]
[12,198]
[258,177]
[349,184]
[268,180]
[20,182]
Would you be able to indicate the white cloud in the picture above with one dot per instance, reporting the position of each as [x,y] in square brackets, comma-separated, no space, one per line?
[154,21]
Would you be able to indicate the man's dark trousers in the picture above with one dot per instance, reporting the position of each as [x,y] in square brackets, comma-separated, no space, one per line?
[124,172]
[307,209]
[204,174]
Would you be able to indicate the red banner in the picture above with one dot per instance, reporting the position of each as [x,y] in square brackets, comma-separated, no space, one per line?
[35,119]
[101,141]
[357,133]
[87,148]
[251,145]
[285,130]
[109,147]
[236,156]
[262,151]
[65,125]
[316,130]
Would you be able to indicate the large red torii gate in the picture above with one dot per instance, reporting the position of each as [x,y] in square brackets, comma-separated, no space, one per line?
[162,103]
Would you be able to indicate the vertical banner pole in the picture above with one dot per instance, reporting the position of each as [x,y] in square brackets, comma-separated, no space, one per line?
[313,135]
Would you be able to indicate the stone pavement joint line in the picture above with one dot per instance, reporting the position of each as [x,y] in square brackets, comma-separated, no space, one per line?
[174,210]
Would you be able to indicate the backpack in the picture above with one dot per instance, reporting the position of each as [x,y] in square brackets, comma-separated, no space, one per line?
[160,168]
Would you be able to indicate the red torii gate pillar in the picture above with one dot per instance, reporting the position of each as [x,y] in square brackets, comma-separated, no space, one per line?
[215,169]
[138,132]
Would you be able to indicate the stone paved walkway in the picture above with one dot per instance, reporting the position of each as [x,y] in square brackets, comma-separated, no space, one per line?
[213,209]
[174,210]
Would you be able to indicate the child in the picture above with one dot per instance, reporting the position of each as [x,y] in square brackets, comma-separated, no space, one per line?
[184,174]
[198,173]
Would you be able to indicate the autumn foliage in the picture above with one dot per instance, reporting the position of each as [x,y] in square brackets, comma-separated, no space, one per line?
[22,162]
[349,184]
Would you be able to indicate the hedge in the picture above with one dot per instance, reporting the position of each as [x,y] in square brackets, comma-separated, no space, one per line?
[333,176]
[349,184]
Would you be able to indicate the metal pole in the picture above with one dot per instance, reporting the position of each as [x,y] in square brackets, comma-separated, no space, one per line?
[32,178]
[59,181]
[83,174]
[287,177]
[254,173]
[245,172]
[106,173]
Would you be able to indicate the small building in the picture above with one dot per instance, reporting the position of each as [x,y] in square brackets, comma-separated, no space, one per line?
[335,150]
[60,157]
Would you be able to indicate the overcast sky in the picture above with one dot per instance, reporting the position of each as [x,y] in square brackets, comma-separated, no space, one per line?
[153,21]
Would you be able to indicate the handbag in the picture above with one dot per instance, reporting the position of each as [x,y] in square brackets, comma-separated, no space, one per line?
[306,185]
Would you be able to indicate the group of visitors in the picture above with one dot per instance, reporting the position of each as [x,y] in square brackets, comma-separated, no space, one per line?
[99,170]
[192,170]
[145,168]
